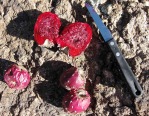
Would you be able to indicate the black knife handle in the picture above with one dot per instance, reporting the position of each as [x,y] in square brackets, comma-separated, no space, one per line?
[125,68]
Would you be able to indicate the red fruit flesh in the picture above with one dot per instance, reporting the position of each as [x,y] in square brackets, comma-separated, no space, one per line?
[76,37]
[76,101]
[46,28]
[16,78]
[72,79]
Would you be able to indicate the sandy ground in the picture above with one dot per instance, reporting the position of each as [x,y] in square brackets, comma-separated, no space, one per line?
[128,21]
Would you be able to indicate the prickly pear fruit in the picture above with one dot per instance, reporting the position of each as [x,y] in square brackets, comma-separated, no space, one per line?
[16,77]
[76,101]
[72,79]
[46,28]
[76,37]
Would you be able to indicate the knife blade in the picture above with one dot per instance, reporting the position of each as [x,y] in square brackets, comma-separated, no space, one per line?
[125,68]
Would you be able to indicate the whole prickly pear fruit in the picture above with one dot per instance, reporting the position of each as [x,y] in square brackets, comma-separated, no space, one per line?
[72,79]
[16,77]
[76,101]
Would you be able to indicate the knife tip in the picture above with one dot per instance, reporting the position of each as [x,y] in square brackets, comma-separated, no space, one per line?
[87,4]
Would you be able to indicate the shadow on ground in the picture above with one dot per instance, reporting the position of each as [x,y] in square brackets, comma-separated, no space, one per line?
[23,25]
[4,64]
[50,90]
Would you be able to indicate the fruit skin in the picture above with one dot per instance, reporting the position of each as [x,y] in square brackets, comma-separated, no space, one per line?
[16,77]
[72,79]
[76,37]
[76,101]
[46,28]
